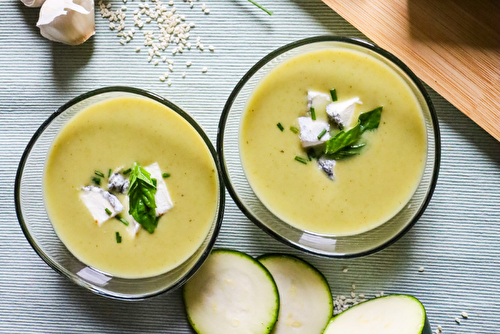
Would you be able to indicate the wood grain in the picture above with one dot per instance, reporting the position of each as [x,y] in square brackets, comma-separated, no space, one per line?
[452,45]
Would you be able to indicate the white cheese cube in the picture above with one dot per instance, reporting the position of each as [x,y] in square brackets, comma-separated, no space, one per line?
[97,201]
[342,112]
[309,131]
[162,197]
[317,99]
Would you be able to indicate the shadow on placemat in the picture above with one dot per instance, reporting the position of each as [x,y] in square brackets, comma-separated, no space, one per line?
[462,22]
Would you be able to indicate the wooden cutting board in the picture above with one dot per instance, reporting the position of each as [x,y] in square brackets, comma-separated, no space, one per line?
[452,45]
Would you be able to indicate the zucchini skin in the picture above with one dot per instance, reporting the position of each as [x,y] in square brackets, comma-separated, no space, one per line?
[270,326]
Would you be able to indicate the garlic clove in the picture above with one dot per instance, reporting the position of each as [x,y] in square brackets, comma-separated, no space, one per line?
[67,21]
[33,3]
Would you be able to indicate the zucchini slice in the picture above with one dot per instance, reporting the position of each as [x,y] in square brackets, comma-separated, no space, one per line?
[306,303]
[395,314]
[232,293]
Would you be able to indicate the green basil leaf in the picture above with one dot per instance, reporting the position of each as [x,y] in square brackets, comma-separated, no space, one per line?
[141,194]
[343,139]
[371,119]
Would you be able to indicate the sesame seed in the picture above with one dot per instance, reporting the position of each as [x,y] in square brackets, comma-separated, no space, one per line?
[457,321]
[345,270]
[207,11]
[188,63]
[124,7]
[162,78]
[465,315]
[353,286]
[138,49]
[421,269]
[169,82]
[156,62]
[204,70]
[183,74]
[353,294]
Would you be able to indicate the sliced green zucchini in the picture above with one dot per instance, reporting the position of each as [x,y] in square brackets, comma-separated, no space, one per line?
[395,314]
[306,303]
[232,293]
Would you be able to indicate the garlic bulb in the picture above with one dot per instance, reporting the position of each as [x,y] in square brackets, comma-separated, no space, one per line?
[67,21]
[33,3]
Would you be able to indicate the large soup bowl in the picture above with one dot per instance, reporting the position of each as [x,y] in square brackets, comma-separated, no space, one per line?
[326,245]
[38,229]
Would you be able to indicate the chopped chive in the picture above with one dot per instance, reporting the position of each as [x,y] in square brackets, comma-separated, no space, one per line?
[322,134]
[333,93]
[280,127]
[166,175]
[259,6]
[96,180]
[96,172]
[313,114]
[122,220]
[108,211]
[127,171]
[294,129]
[311,154]
[301,160]
[118,238]
[109,172]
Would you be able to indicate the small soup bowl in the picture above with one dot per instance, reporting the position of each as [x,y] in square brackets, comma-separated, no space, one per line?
[38,229]
[325,245]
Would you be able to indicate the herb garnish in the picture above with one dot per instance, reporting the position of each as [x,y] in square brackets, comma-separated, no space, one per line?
[127,171]
[118,238]
[301,160]
[313,114]
[122,220]
[166,175]
[280,127]
[294,129]
[322,134]
[333,93]
[96,180]
[256,4]
[343,144]
[98,173]
[109,173]
[108,211]
[142,198]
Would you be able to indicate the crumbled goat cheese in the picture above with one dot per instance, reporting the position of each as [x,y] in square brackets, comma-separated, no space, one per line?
[327,165]
[315,99]
[309,131]
[118,183]
[342,112]
[97,201]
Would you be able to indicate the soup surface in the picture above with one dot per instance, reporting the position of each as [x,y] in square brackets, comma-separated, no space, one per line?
[116,133]
[369,188]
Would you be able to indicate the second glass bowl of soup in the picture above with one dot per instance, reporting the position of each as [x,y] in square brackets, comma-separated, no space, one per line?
[279,140]
[74,190]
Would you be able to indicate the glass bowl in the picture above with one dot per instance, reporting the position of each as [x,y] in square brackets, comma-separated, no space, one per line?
[331,246]
[38,229]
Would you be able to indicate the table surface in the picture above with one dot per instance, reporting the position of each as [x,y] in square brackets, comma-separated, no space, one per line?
[457,239]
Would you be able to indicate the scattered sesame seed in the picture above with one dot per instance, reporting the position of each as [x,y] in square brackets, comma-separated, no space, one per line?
[345,270]
[188,63]
[162,78]
[156,62]
[211,48]
[353,286]
[138,49]
[204,70]
[183,74]
[457,321]
[421,269]
[124,7]
[207,11]
[465,315]
[353,295]
[169,82]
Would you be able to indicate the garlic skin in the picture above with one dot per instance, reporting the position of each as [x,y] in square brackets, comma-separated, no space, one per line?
[33,3]
[67,21]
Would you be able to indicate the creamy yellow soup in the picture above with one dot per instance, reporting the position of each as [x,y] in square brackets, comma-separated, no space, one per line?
[117,133]
[369,188]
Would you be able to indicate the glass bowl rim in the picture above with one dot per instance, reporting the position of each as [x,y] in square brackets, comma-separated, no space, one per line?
[60,269]
[348,40]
